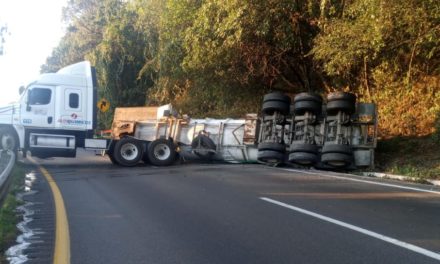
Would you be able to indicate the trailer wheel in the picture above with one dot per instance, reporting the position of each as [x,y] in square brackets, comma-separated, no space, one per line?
[270,156]
[341,101]
[301,107]
[203,146]
[307,148]
[127,152]
[333,107]
[270,107]
[145,158]
[303,158]
[341,96]
[278,147]
[336,148]
[307,102]
[337,160]
[276,96]
[111,154]
[161,152]
[276,102]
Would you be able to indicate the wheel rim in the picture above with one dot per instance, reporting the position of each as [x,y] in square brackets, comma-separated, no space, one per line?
[161,151]
[129,151]
[7,142]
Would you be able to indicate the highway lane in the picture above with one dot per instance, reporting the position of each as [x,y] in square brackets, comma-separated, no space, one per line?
[213,213]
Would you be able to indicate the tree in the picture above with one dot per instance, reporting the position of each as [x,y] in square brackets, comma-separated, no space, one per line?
[228,53]
[401,37]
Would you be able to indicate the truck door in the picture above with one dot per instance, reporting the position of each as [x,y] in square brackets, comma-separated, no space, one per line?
[71,112]
[38,107]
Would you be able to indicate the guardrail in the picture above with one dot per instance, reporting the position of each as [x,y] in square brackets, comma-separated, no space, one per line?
[7,161]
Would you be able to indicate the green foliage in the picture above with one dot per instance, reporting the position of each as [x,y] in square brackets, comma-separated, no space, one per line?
[403,34]
[8,214]
[210,49]
[415,157]
[407,111]
[218,58]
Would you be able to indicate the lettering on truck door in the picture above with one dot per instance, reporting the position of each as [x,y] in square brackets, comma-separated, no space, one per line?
[39,107]
[72,113]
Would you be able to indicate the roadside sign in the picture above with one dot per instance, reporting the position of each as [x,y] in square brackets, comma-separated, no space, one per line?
[103,105]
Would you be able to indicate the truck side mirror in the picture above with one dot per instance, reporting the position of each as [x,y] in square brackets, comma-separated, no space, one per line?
[21,90]
[28,100]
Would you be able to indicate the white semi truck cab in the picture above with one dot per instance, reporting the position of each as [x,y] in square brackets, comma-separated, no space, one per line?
[55,114]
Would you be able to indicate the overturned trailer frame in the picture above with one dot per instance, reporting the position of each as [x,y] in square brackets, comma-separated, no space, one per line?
[339,134]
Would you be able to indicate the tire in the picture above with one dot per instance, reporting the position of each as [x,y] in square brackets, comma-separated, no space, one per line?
[277,96]
[301,107]
[307,148]
[127,152]
[161,152]
[278,147]
[270,107]
[113,160]
[344,96]
[336,148]
[303,158]
[145,158]
[337,160]
[203,146]
[8,139]
[307,97]
[307,102]
[333,107]
[110,153]
[270,156]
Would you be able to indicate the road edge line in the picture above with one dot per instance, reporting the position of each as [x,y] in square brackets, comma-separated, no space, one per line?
[62,237]
[361,230]
[347,178]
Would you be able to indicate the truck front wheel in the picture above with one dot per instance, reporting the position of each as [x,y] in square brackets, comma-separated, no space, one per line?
[8,141]
[128,152]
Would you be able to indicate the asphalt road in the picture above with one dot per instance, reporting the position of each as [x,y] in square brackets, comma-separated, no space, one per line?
[223,213]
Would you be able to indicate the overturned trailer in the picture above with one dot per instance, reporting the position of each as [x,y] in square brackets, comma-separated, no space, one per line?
[339,134]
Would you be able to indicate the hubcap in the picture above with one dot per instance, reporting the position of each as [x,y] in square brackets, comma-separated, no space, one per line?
[129,151]
[162,151]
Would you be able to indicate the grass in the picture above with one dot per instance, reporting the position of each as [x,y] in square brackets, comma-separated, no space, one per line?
[8,213]
[410,156]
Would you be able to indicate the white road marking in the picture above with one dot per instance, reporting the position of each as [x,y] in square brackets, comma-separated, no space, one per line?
[365,181]
[391,240]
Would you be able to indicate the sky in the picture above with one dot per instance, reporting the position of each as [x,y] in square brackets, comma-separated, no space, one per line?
[35,28]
